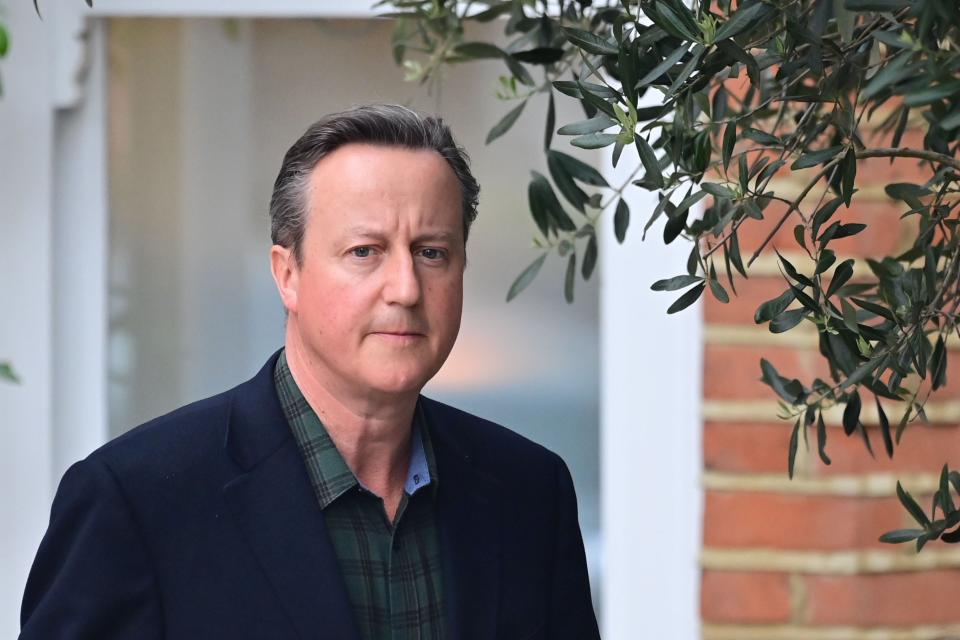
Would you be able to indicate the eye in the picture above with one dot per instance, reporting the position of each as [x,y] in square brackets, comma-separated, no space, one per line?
[360,252]
[431,253]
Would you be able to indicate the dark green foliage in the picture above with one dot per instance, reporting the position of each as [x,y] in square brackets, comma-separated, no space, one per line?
[668,79]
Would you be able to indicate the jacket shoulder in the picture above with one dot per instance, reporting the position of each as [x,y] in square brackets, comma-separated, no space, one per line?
[176,440]
[489,444]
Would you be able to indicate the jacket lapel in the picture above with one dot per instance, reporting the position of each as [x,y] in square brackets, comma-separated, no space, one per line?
[468,515]
[276,511]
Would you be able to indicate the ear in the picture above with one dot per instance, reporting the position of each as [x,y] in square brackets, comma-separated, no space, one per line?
[286,273]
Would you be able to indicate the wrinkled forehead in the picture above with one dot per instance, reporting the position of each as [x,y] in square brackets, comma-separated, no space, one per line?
[379,189]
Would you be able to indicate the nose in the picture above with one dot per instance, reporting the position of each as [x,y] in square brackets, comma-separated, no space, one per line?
[402,283]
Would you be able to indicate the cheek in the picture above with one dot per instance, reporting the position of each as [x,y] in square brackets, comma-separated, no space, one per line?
[330,309]
[448,298]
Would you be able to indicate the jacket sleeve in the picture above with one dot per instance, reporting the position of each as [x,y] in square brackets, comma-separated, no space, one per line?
[92,577]
[571,609]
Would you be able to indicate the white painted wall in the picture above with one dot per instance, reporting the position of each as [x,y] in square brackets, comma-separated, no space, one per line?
[237,8]
[650,438]
[26,298]
[220,216]
[79,242]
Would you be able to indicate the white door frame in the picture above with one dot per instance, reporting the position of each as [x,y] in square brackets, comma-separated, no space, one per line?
[53,252]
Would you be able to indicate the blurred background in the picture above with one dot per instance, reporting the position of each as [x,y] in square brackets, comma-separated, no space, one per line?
[192,305]
[140,145]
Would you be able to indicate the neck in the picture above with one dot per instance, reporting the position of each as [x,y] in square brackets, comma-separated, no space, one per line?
[371,431]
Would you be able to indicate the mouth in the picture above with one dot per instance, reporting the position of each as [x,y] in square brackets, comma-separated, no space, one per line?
[399,335]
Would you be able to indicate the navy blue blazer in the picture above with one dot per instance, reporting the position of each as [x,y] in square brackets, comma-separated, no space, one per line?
[203,524]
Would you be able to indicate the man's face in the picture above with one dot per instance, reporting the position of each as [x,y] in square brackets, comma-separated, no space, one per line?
[377,301]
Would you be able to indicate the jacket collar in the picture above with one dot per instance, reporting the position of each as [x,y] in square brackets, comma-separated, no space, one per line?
[275,508]
[468,515]
[256,427]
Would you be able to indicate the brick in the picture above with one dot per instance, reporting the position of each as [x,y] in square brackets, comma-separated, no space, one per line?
[746,448]
[952,388]
[743,519]
[762,448]
[737,86]
[882,171]
[750,295]
[912,139]
[745,597]
[901,599]
[733,372]
[884,235]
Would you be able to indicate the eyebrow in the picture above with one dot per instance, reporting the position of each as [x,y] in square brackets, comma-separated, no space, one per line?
[370,232]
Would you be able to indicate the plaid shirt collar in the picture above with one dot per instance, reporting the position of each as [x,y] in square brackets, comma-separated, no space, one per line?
[328,470]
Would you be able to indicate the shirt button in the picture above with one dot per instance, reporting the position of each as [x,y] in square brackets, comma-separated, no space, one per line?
[416,478]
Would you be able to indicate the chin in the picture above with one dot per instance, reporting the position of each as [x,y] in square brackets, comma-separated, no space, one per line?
[399,391]
[400,381]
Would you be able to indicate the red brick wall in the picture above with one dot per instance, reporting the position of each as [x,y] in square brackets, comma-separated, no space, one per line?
[800,559]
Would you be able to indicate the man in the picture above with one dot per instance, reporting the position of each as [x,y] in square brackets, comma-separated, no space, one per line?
[325,498]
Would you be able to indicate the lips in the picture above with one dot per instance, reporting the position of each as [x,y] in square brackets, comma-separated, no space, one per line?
[400,337]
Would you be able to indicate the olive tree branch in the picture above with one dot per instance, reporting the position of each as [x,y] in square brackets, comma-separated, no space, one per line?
[795,206]
[903,152]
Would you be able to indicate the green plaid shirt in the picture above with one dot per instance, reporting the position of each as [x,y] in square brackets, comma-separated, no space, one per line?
[391,571]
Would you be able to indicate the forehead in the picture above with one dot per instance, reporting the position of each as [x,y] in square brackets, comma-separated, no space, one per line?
[385,190]
[357,173]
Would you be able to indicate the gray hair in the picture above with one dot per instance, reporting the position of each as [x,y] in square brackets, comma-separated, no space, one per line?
[380,124]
